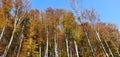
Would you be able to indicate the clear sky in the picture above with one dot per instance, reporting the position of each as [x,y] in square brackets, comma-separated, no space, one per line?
[109,10]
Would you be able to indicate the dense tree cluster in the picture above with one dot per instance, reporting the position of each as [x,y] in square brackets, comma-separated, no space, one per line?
[26,32]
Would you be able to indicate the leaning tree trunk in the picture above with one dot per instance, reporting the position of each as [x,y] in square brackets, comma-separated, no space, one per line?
[16,23]
[108,48]
[75,7]
[14,53]
[87,37]
[76,48]
[21,41]
[99,39]
[11,39]
[67,47]
[1,35]
[101,43]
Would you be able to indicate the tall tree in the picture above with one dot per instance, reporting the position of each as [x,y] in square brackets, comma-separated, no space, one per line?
[93,18]
[19,15]
[75,5]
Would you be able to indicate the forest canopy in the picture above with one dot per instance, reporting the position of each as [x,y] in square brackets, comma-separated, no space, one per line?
[26,32]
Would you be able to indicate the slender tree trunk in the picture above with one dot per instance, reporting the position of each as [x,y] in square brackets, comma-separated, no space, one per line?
[76,48]
[75,7]
[55,41]
[70,53]
[99,39]
[13,32]
[1,35]
[86,34]
[101,43]
[60,52]
[7,48]
[108,48]
[82,48]
[18,53]
[84,29]
[11,39]
[21,41]
[46,52]
[67,47]
[40,51]
[14,53]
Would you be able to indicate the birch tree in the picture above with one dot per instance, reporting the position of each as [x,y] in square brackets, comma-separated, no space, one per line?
[5,13]
[75,6]
[17,19]
[93,18]
[67,26]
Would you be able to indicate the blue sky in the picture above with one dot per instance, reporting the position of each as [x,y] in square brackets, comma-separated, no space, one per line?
[109,10]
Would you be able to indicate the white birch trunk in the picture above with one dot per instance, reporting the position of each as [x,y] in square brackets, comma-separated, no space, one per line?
[13,32]
[99,39]
[79,13]
[67,48]
[40,51]
[18,53]
[46,52]
[1,35]
[92,51]
[101,43]
[55,41]
[11,39]
[7,48]
[109,48]
[76,48]
[21,40]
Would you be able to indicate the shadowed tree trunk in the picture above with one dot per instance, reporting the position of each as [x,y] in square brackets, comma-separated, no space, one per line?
[21,41]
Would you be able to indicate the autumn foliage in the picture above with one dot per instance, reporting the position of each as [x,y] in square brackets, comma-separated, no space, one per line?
[26,32]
